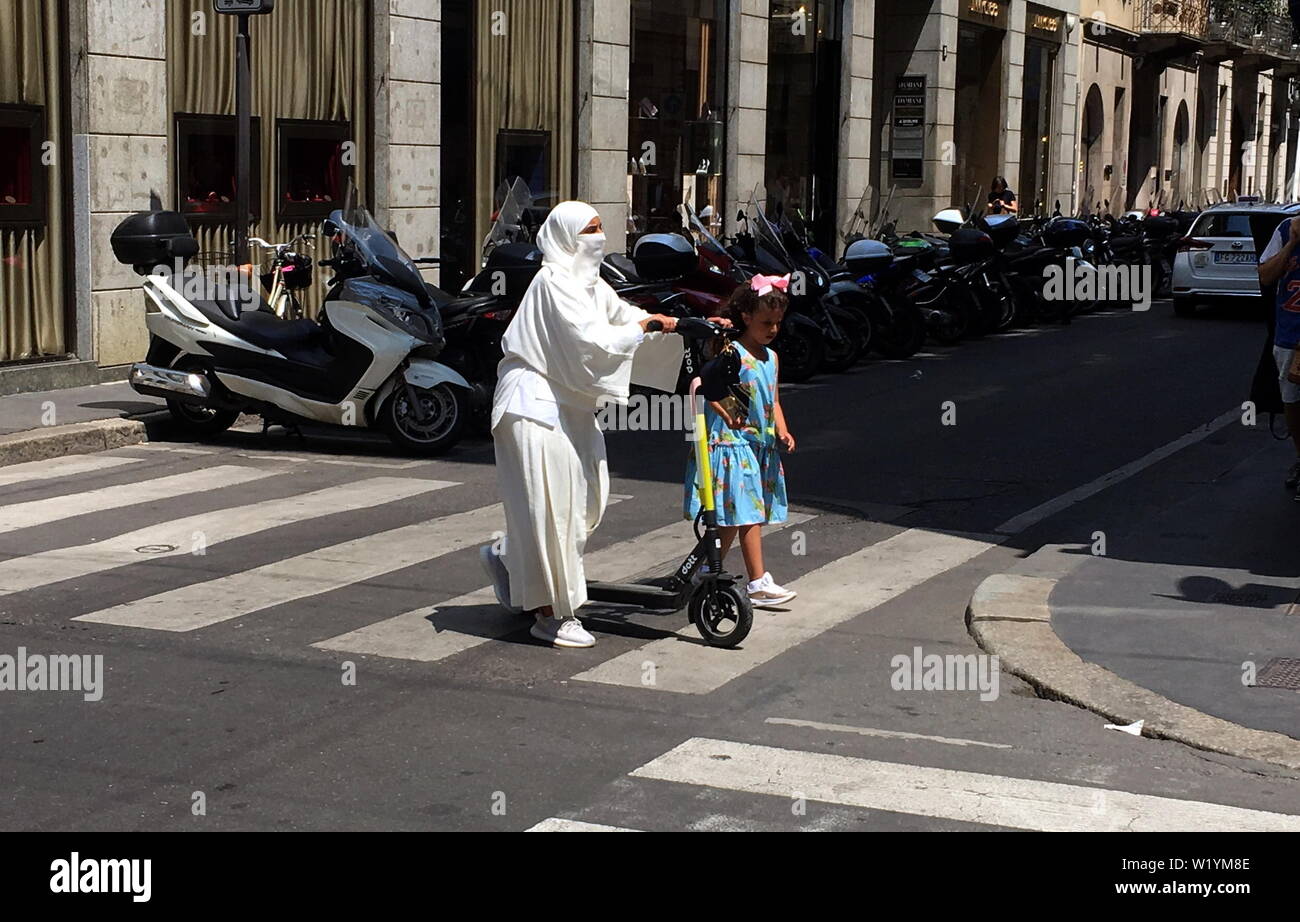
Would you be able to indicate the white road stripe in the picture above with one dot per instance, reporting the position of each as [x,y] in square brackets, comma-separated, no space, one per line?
[203,604]
[433,633]
[555,824]
[887,734]
[829,596]
[1048,509]
[44,511]
[61,467]
[54,566]
[1018,803]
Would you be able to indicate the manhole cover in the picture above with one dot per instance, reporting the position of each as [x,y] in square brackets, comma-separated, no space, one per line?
[156,549]
[1280,673]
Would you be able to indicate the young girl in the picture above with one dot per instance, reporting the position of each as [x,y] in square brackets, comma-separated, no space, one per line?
[745,435]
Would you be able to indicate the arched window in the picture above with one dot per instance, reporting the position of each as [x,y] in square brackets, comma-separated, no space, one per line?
[1094,124]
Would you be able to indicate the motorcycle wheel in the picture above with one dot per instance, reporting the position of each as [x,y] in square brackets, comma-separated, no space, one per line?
[904,337]
[199,422]
[446,409]
[843,351]
[800,350]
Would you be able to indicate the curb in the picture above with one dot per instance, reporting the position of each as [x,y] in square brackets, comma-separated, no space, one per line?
[75,439]
[1009,616]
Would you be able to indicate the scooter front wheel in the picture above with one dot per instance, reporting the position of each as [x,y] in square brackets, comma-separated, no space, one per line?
[431,429]
[723,614]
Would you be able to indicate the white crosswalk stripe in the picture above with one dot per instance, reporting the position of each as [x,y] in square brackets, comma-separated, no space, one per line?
[968,797]
[61,467]
[434,633]
[828,596]
[45,511]
[315,573]
[178,538]
[555,824]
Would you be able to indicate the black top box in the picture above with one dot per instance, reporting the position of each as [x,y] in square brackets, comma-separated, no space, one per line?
[153,238]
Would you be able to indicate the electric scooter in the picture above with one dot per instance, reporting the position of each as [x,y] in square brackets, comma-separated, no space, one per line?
[715,601]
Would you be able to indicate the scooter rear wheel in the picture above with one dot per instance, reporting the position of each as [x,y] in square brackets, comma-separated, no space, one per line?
[723,614]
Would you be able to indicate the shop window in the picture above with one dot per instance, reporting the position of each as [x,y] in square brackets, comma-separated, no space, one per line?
[677,102]
[526,155]
[207,167]
[315,166]
[22,178]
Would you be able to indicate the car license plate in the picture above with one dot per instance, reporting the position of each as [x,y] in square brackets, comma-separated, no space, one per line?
[920,276]
[1230,258]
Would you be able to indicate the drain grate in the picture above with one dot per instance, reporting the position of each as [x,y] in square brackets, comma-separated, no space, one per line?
[1280,673]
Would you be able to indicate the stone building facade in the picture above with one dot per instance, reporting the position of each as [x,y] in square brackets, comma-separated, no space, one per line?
[637,106]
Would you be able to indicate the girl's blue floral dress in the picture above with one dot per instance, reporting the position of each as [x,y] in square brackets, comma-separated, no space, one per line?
[749,478]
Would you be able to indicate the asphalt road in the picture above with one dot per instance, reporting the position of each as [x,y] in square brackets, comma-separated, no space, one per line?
[228,673]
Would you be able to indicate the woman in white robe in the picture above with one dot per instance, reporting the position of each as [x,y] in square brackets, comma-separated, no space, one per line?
[568,351]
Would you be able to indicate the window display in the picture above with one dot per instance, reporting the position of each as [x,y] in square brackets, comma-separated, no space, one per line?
[677,133]
[314,168]
[207,167]
[22,183]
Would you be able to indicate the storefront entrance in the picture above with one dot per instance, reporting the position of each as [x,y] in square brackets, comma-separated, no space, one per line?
[979,102]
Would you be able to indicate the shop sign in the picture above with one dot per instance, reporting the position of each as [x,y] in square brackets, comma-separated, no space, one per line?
[1044,24]
[985,12]
[908,138]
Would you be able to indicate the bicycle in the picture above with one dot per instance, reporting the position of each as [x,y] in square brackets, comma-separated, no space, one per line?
[290,272]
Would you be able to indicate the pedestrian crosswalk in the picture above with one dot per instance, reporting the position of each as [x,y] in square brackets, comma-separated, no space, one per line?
[286,583]
[789,777]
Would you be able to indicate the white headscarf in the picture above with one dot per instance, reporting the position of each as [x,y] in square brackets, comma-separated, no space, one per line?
[571,327]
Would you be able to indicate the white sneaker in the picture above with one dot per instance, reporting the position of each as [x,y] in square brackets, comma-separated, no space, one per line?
[558,633]
[500,576]
[765,593]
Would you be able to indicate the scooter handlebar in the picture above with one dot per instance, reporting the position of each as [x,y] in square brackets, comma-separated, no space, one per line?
[690,328]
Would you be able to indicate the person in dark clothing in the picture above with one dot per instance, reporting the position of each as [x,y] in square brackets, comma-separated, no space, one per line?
[1001,199]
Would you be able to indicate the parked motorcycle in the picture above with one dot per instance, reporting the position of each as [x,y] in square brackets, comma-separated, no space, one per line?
[364,364]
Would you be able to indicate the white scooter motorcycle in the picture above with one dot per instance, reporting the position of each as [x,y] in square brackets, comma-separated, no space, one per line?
[214,354]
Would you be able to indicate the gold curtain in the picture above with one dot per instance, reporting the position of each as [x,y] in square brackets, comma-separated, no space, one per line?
[524,81]
[31,260]
[310,61]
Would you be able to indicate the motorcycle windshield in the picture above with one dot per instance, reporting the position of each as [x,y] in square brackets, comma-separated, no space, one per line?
[508,226]
[384,259]
[703,237]
[765,235]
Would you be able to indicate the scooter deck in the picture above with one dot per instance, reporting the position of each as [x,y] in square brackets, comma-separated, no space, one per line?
[646,595]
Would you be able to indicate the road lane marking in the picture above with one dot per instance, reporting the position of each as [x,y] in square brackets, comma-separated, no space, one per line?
[1050,508]
[315,573]
[968,797]
[61,467]
[888,734]
[829,596]
[433,633]
[555,824]
[177,539]
[44,511]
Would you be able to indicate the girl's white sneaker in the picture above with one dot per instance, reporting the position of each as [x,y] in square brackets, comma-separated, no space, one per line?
[570,634]
[765,593]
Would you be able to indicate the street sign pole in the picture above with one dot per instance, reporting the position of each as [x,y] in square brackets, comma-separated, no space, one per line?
[244,143]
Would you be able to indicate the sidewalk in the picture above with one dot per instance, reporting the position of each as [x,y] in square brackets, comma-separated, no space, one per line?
[39,426]
[1178,623]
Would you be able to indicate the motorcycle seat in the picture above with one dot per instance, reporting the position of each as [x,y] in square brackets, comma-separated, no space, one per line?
[262,328]
[459,307]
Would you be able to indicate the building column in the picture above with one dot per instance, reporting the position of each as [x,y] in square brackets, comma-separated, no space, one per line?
[1065,146]
[604,55]
[746,105]
[859,53]
[120,117]
[1013,83]
[408,133]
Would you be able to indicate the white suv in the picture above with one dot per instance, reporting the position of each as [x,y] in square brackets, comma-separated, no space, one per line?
[1217,260]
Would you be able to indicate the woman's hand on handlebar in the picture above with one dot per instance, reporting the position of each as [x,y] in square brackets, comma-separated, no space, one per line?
[722,322]
[659,322]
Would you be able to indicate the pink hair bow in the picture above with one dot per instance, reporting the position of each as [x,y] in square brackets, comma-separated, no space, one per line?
[763,284]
